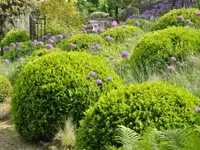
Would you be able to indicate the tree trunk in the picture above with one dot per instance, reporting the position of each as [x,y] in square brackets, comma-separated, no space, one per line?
[117,13]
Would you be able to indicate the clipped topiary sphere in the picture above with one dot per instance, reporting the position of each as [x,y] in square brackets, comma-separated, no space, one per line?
[82,42]
[15,36]
[172,19]
[55,87]
[5,88]
[120,34]
[158,47]
[144,24]
[139,106]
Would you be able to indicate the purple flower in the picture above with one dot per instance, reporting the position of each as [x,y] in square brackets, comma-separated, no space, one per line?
[18,49]
[21,59]
[137,23]
[125,54]
[96,25]
[44,37]
[173,59]
[180,18]
[71,34]
[6,61]
[111,58]
[98,82]
[64,36]
[114,24]
[123,26]
[97,46]
[106,23]
[100,30]
[109,79]
[12,44]
[6,48]
[48,35]
[93,47]
[92,74]
[197,109]
[35,41]
[198,14]
[50,41]
[171,68]
[188,21]
[53,38]
[72,45]
[60,36]
[17,44]
[49,46]
[40,43]
[108,38]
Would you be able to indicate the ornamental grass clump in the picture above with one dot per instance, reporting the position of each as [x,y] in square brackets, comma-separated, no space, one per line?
[155,49]
[55,87]
[159,105]
[5,88]
[120,34]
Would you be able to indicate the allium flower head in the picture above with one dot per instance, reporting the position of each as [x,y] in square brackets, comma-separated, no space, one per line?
[6,48]
[114,24]
[98,82]
[53,38]
[21,59]
[18,49]
[137,23]
[111,58]
[17,44]
[49,46]
[44,37]
[95,25]
[197,109]
[109,79]
[40,43]
[198,14]
[48,35]
[171,68]
[97,46]
[72,45]
[92,74]
[173,59]
[110,39]
[60,36]
[12,44]
[50,41]
[64,36]
[71,34]
[180,18]
[188,21]
[35,41]
[125,54]
[6,61]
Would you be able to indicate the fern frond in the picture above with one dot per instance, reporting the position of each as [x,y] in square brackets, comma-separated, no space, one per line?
[127,137]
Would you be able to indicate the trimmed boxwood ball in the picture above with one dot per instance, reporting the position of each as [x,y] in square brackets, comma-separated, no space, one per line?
[171,19]
[14,36]
[5,88]
[120,34]
[55,87]
[138,106]
[83,42]
[158,47]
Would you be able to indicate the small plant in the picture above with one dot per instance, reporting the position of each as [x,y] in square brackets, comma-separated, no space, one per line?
[66,137]
[5,88]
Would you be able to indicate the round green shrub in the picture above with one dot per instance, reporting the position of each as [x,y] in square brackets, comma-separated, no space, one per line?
[56,86]
[158,105]
[14,36]
[6,88]
[120,34]
[83,42]
[171,19]
[144,24]
[158,47]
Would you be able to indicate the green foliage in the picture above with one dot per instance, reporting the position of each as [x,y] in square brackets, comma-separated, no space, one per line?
[158,47]
[6,88]
[152,139]
[62,12]
[139,106]
[171,18]
[55,87]
[15,36]
[144,24]
[83,42]
[120,34]
[99,14]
